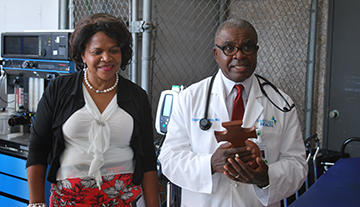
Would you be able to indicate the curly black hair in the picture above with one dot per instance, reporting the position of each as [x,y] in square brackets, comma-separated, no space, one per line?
[90,25]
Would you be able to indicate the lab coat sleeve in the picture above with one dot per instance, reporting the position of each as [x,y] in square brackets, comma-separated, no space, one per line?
[289,172]
[179,163]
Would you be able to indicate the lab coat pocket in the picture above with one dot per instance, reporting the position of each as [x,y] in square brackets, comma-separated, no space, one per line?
[269,143]
[204,141]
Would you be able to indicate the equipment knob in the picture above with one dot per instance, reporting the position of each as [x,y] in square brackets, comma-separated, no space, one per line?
[334,114]
[43,52]
[25,64]
[16,80]
[32,64]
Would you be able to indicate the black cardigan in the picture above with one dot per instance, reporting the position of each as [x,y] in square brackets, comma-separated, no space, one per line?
[63,97]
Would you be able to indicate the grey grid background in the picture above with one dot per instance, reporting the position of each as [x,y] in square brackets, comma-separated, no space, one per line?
[182,40]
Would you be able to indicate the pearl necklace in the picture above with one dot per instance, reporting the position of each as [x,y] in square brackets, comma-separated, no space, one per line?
[98,91]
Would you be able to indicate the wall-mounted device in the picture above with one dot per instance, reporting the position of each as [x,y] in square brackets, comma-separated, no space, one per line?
[165,106]
[35,45]
[31,60]
[36,54]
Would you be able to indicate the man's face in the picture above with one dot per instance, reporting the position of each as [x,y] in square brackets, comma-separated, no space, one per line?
[238,67]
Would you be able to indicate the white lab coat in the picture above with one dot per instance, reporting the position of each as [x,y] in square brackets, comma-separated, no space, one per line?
[186,153]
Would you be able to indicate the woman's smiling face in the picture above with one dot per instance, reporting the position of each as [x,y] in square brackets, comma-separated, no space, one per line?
[103,58]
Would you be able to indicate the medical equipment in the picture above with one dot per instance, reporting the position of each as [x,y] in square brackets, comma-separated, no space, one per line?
[166,101]
[310,157]
[164,110]
[205,124]
[36,45]
[286,108]
[30,60]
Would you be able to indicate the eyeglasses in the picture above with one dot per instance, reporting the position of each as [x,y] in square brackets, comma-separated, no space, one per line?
[231,50]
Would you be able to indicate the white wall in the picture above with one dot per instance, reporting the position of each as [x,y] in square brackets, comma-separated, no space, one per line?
[20,15]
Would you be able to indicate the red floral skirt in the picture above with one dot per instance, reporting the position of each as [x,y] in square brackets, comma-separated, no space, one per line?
[116,190]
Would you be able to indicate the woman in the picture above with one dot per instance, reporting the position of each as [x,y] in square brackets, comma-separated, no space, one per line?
[93,127]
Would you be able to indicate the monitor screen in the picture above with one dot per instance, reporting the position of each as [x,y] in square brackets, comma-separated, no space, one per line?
[167,105]
[21,45]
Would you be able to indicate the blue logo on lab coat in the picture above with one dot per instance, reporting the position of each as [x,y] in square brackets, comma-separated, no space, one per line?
[267,123]
[212,120]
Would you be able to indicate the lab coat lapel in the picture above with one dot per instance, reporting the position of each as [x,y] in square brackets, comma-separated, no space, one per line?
[253,108]
[217,100]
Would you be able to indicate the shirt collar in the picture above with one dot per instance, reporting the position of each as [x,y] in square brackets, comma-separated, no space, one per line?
[229,84]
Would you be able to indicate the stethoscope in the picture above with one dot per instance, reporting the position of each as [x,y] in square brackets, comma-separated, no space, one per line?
[205,123]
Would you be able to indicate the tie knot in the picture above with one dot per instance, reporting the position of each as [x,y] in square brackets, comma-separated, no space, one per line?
[239,88]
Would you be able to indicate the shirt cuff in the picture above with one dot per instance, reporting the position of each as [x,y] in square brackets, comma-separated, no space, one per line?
[262,194]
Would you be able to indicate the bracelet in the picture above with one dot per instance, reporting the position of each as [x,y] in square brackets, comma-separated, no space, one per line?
[37,205]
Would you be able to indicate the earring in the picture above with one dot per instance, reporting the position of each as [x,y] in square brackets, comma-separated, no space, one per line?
[85,66]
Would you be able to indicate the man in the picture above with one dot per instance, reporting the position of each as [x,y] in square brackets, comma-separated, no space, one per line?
[217,174]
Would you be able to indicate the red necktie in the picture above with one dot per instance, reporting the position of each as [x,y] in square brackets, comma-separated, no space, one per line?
[238,108]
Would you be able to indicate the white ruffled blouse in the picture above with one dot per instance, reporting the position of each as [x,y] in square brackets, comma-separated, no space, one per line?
[97,144]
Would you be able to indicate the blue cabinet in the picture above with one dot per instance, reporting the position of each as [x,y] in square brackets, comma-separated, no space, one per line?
[5,201]
[13,181]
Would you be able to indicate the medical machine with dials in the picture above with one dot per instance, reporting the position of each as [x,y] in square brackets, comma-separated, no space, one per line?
[29,61]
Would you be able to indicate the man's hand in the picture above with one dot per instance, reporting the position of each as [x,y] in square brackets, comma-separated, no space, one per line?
[225,151]
[240,171]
